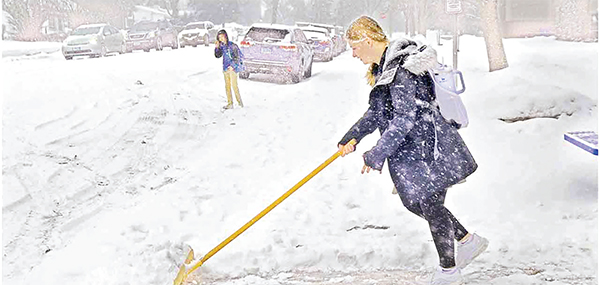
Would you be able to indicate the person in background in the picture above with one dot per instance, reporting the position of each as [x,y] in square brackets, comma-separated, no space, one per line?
[425,153]
[232,65]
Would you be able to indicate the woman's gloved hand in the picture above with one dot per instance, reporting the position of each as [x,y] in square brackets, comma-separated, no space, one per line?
[347,148]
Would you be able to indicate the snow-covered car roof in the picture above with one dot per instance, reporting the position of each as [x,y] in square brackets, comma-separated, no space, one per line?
[91,26]
[196,26]
[273,26]
[314,24]
[200,22]
[270,32]
[233,25]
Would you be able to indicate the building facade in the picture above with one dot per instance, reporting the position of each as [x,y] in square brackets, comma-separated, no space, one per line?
[566,19]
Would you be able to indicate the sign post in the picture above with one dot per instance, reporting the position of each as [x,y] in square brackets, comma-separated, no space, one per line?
[454,7]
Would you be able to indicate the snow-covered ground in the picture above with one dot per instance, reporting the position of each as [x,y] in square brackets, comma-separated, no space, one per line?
[111,166]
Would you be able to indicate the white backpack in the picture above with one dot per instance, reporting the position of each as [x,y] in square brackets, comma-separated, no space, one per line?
[447,94]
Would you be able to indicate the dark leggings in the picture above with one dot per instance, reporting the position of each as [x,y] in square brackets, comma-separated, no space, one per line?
[442,224]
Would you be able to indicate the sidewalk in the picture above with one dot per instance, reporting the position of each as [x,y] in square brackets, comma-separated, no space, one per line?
[16,48]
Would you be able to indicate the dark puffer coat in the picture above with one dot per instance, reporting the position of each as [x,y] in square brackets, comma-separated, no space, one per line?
[425,153]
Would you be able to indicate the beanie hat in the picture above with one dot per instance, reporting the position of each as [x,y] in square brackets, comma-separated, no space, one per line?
[224,33]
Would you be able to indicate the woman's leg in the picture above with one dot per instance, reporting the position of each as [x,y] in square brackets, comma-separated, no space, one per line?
[441,227]
[414,206]
[227,75]
[234,83]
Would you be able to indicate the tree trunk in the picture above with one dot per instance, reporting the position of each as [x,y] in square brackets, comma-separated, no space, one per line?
[422,17]
[573,23]
[491,34]
[410,15]
[172,8]
[406,22]
[32,24]
[274,16]
[413,23]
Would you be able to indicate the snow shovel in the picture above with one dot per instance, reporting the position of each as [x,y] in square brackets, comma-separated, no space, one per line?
[184,272]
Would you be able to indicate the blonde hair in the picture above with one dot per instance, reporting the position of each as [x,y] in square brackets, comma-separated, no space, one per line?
[359,30]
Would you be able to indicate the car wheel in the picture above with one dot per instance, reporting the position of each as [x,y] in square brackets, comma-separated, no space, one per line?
[302,70]
[244,75]
[159,44]
[195,45]
[147,50]
[308,72]
[295,77]
[68,57]
[182,46]
[206,40]
[123,48]
[102,51]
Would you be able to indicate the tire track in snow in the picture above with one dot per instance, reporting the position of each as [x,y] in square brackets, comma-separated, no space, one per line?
[81,187]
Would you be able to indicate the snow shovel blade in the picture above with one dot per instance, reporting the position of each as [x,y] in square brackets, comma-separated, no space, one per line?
[184,272]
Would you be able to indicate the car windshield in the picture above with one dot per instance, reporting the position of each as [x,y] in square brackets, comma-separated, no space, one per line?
[86,31]
[145,27]
[315,35]
[266,35]
[331,30]
[194,26]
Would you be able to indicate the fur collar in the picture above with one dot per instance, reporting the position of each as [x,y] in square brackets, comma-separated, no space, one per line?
[419,58]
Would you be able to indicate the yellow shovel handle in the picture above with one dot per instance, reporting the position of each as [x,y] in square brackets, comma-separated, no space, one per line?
[265,211]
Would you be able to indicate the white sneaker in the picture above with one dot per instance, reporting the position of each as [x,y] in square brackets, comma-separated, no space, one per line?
[467,252]
[442,277]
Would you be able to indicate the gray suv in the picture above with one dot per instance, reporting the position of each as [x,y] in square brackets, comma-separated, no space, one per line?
[277,49]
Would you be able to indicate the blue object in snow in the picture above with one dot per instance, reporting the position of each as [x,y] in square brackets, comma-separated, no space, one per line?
[586,140]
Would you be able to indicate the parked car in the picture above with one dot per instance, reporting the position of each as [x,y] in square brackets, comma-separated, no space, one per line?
[146,35]
[196,33]
[94,40]
[235,31]
[336,35]
[343,44]
[277,49]
[321,41]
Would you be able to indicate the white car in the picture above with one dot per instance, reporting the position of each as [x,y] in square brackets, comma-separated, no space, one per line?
[94,40]
[235,31]
[196,33]
[322,42]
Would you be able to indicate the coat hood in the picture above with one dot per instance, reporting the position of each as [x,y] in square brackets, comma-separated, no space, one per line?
[417,58]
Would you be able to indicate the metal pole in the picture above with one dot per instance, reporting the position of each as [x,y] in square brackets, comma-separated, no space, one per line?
[455,44]
[390,22]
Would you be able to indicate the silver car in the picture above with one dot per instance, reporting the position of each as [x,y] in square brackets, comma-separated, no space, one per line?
[196,33]
[146,35]
[93,40]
